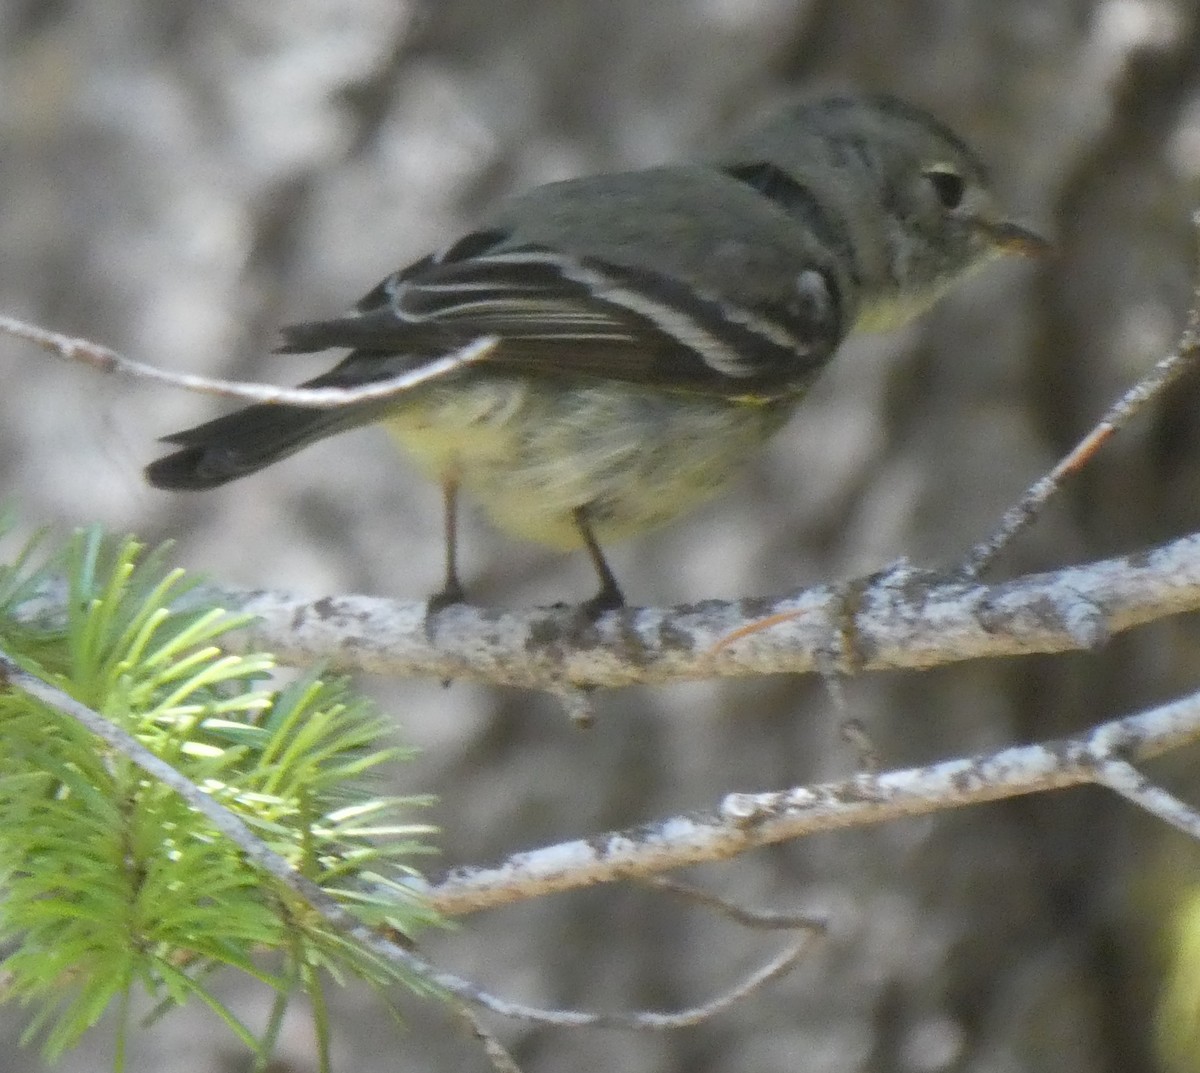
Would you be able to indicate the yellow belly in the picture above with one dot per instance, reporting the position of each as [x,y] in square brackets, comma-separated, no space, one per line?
[531,453]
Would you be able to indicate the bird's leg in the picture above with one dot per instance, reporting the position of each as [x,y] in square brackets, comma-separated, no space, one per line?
[610,595]
[452,591]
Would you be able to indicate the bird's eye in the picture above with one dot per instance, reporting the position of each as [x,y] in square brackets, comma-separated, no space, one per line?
[948,185]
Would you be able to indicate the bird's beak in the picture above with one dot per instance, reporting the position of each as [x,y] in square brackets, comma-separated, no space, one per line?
[1008,237]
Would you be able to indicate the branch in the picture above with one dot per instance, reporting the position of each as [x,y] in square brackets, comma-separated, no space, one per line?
[1026,510]
[319,398]
[745,821]
[899,618]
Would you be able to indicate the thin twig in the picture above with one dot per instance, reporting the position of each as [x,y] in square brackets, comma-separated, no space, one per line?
[318,398]
[775,968]
[496,1052]
[1026,510]
[755,919]
[1131,784]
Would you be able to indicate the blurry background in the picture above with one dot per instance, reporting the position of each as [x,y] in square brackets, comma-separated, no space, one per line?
[179,177]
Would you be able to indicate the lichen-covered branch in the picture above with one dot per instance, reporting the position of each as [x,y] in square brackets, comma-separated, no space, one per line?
[898,618]
[744,821]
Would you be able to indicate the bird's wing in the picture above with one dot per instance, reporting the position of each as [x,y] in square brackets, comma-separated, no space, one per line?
[566,315]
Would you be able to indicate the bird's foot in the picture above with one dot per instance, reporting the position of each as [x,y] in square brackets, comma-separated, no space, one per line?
[451,593]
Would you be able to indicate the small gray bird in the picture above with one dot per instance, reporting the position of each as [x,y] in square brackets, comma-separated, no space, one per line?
[655,327]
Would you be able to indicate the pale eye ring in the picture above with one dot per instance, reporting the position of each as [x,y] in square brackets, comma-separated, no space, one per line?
[948,185]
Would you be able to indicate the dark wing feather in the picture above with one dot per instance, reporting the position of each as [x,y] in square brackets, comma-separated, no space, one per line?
[576,317]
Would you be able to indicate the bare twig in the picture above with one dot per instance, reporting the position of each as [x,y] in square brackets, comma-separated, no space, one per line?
[1026,510]
[854,733]
[745,821]
[496,1052]
[775,968]
[320,398]
[755,919]
[1125,779]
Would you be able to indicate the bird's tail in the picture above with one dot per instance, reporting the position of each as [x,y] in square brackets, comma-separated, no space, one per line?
[242,443]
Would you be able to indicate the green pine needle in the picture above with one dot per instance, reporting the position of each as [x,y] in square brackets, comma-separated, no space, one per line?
[110,880]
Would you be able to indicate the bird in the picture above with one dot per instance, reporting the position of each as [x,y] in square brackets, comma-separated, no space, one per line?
[652,328]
